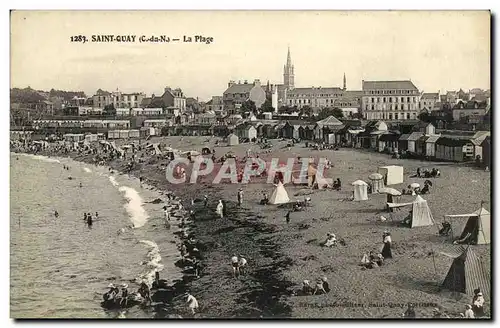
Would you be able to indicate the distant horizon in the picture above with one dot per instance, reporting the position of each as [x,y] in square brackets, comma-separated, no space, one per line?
[437,50]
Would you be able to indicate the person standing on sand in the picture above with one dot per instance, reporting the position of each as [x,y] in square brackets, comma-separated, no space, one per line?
[240,197]
[410,312]
[242,265]
[220,209]
[287,216]
[235,264]
[386,250]
[205,201]
[192,303]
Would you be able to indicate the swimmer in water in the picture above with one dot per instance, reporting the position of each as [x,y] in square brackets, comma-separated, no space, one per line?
[96,215]
[89,220]
[56,214]
[81,185]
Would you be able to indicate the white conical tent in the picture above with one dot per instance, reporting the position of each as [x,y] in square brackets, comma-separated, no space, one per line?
[279,195]
[478,226]
[360,190]
[421,213]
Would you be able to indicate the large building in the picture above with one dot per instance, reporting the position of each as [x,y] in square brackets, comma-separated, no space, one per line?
[430,101]
[117,99]
[174,98]
[390,100]
[238,93]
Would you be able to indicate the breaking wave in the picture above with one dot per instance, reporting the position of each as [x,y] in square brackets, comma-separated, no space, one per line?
[136,212]
[113,181]
[153,265]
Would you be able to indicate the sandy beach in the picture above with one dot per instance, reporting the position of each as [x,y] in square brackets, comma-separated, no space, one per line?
[282,255]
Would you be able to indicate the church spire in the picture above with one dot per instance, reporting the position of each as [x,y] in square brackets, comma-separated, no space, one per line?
[288,72]
[288,58]
[344,87]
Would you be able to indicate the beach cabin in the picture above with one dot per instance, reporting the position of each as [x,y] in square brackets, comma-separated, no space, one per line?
[360,190]
[454,149]
[388,142]
[330,122]
[486,151]
[134,134]
[412,139]
[232,139]
[430,146]
[113,134]
[91,137]
[74,137]
[246,131]
[392,174]
[287,131]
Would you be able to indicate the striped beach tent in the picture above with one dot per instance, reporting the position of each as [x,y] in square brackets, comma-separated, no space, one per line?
[467,272]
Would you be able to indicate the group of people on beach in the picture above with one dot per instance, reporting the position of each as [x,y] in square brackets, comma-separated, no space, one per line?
[87,217]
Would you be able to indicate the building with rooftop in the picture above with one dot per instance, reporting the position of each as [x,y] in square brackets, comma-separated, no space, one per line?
[390,100]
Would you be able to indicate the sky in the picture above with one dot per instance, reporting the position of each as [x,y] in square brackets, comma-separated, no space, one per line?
[437,50]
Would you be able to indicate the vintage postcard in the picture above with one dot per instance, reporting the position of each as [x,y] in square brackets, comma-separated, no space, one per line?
[250,164]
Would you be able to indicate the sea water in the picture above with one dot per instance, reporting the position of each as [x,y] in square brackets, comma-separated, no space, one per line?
[59,267]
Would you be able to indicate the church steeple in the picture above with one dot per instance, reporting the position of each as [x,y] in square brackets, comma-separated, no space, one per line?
[288,72]
[344,87]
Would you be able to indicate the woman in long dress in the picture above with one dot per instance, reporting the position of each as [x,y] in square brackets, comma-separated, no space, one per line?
[387,251]
[220,209]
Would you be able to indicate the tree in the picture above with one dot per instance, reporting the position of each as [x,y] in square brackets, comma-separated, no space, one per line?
[425,117]
[109,110]
[327,112]
[358,116]
[249,106]
[267,106]
[306,111]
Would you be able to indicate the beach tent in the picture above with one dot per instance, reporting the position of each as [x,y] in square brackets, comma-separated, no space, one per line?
[232,139]
[467,272]
[478,227]
[360,190]
[392,174]
[421,213]
[376,181]
[279,195]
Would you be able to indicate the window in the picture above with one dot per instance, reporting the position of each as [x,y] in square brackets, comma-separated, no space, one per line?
[383,99]
[407,99]
[373,107]
[390,99]
[402,99]
[390,116]
[373,100]
[300,101]
[402,106]
[366,107]
[378,99]
[396,116]
[397,107]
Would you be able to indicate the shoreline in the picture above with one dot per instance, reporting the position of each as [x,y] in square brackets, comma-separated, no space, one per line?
[265,286]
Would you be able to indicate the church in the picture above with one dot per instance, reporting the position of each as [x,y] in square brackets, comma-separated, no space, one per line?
[316,97]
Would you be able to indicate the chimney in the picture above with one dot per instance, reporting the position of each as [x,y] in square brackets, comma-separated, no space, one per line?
[230,84]
[246,82]
[168,89]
